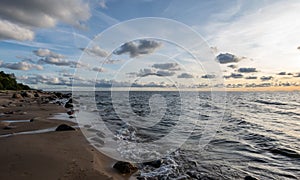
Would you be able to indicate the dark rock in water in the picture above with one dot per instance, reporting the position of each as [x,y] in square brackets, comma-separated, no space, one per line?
[71,112]
[52,98]
[64,127]
[36,95]
[17,96]
[125,167]
[66,96]
[58,95]
[250,178]
[70,103]
[156,163]
[193,174]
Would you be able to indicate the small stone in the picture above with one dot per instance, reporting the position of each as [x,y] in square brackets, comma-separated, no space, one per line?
[64,127]
[250,178]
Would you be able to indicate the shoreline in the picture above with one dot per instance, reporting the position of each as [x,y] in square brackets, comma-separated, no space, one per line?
[47,155]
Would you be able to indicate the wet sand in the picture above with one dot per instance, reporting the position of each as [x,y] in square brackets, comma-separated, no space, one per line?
[50,155]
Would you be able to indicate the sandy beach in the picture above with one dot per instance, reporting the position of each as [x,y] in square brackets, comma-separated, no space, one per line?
[48,155]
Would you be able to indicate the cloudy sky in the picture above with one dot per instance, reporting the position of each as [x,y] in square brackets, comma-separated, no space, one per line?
[56,44]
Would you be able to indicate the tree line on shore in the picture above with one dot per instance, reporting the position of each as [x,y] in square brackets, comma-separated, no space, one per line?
[9,82]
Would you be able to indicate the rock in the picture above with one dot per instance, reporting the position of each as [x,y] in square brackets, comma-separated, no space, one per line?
[192,174]
[156,163]
[58,95]
[67,96]
[17,96]
[69,104]
[250,178]
[36,95]
[27,94]
[23,113]
[64,127]
[9,112]
[70,112]
[125,167]
[52,98]
[9,127]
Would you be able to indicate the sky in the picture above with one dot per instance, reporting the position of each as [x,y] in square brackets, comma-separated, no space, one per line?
[236,44]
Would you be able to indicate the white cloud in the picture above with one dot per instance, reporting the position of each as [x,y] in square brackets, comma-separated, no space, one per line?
[266,33]
[47,53]
[95,51]
[102,4]
[57,61]
[10,30]
[24,66]
[167,66]
[23,16]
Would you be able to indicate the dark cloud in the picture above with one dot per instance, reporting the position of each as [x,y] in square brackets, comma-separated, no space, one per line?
[165,73]
[18,18]
[167,66]
[137,48]
[98,69]
[151,84]
[251,77]
[253,85]
[234,75]
[282,73]
[151,72]
[247,70]
[227,58]
[24,66]
[266,78]
[208,76]
[109,83]
[232,66]
[185,75]
[234,85]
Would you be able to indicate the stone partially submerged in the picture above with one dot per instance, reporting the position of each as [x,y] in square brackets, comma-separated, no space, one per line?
[125,167]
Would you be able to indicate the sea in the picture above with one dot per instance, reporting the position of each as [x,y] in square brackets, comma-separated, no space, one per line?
[216,135]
